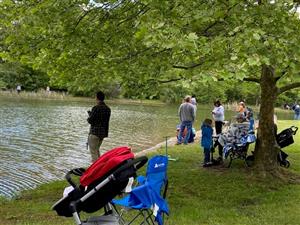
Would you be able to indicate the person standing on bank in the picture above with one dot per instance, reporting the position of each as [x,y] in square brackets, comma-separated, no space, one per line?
[297,112]
[194,102]
[99,121]
[206,140]
[218,116]
[19,88]
[186,114]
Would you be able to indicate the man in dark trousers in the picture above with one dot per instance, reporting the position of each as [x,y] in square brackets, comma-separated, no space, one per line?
[99,120]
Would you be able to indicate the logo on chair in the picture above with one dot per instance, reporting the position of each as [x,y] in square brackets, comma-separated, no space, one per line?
[159,165]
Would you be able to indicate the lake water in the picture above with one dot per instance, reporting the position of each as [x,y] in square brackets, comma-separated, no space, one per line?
[41,140]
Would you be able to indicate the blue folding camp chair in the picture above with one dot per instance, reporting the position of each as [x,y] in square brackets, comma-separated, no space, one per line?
[149,196]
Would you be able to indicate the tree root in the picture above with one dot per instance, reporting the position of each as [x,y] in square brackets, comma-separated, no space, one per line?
[281,175]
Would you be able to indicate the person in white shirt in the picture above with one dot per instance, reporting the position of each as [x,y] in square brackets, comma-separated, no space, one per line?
[218,116]
[193,100]
[19,88]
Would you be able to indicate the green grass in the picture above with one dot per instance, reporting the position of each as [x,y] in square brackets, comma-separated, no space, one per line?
[196,195]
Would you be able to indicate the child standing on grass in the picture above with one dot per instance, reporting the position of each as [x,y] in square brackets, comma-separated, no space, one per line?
[206,140]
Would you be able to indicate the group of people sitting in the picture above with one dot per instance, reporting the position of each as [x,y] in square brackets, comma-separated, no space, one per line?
[243,124]
[186,133]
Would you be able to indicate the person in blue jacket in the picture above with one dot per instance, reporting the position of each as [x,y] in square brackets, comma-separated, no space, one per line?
[206,140]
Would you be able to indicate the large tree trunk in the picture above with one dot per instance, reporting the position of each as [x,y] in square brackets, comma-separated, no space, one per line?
[265,149]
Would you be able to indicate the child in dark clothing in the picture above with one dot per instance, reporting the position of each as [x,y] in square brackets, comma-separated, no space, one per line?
[206,140]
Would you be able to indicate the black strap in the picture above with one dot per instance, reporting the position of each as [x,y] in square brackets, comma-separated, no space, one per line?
[137,163]
[294,129]
[76,172]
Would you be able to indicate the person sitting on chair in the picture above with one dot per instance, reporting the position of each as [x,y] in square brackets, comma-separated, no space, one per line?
[235,131]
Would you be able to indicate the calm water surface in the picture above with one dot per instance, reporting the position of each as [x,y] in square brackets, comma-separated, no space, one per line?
[41,140]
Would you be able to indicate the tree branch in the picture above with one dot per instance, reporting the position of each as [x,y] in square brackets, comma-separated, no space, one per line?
[187,67]
[168,80]
[282,74]
[252,79]
[142,11]
[80,19]
[288,87]
[218,21]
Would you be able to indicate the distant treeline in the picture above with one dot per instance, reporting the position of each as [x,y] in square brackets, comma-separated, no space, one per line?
[13,74]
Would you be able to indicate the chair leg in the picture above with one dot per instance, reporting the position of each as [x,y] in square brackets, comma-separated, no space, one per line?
[147,216]
[150,217]
[137,215]
[108,209]
[230,161]
[118,214]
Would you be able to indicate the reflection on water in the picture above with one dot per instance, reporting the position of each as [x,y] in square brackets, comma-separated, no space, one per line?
[41,140]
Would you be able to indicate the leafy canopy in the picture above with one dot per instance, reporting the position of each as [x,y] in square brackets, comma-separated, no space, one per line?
[147,43]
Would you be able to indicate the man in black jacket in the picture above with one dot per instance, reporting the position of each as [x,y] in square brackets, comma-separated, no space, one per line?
[99,120]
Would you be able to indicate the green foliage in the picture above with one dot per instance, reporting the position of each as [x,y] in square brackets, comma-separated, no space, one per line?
[135,47]
[209,92]
[172,93]
[3,85]
[13,74]
[289,98]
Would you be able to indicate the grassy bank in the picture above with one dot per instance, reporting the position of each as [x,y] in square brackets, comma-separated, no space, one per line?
[196,195]
[41,95]
[52,95]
